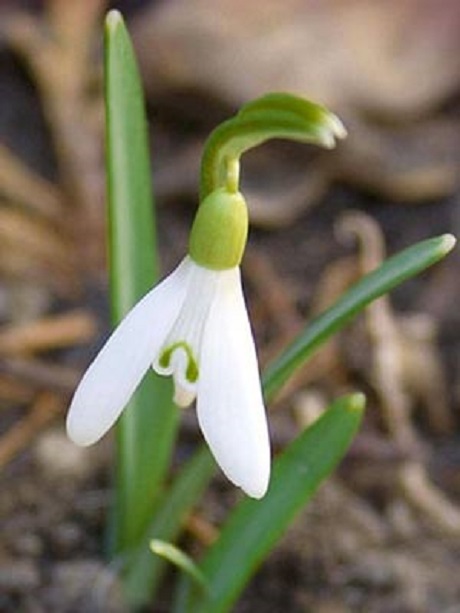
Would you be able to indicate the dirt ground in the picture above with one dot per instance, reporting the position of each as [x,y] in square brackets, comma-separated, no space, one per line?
[383,534]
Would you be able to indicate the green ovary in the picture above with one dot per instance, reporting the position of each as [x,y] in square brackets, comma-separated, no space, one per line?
[220,230]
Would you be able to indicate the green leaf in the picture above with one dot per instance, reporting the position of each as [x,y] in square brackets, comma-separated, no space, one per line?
[272,116]
[143,571]
[255,526]
[146,430]
[391,273]
[178,558]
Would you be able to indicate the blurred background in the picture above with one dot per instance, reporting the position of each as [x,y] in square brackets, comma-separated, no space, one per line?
[384,534]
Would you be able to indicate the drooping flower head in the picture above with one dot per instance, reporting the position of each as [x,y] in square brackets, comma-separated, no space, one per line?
[194,325]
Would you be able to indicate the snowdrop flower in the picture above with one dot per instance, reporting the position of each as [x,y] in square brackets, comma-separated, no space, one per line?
[193,326]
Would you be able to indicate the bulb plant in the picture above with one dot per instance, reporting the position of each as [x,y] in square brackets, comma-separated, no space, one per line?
[194,326]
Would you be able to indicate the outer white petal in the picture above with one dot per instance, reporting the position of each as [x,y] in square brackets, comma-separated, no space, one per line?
[230,407]
[117,370]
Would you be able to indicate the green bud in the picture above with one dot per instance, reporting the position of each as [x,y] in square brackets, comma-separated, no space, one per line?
[220,230]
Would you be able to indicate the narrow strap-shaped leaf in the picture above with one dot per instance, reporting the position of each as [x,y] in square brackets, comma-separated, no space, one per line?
[146,430]
[272,116]
[391,273]
[143,571]
[180,559]
[255,526]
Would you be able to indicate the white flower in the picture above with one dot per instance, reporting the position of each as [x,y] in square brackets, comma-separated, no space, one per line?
[194,326]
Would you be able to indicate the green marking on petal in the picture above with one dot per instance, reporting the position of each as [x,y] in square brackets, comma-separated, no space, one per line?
[192,370]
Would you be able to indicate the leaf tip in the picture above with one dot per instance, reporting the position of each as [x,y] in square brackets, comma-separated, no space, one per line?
[356,402]
[113,19]
[448,242]
[180,559]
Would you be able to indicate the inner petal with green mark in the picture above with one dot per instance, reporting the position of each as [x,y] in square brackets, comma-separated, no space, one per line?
[178,360]
[180,353]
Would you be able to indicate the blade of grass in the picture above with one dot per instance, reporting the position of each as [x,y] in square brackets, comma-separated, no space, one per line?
[146,430]
[391,273]
[180,559]
[255,526]
[143,570]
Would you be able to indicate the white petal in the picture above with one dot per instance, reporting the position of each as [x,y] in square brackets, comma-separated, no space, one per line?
[184,340]
[230,407]
[184,391]
[117,370]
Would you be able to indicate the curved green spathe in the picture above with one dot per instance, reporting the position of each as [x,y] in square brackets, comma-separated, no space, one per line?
[275,115]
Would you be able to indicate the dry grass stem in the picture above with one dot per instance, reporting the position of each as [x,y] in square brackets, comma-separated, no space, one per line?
[72,328]
[45,408]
